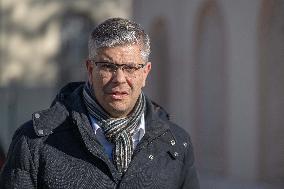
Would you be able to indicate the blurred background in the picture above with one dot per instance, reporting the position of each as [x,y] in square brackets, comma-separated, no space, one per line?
[218,68]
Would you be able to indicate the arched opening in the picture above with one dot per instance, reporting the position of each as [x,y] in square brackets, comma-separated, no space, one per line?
[210,91]
[159,76]
[271,91]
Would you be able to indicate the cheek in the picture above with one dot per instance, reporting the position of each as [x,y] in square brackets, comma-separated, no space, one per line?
[137,84]
[130,82]
[97,85]
[104,81]
[143,82]
[99,81]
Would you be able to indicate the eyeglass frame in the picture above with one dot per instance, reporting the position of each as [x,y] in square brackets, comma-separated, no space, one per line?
[119,66]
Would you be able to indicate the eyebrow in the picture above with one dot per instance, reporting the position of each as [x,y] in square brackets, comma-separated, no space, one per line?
[107,61]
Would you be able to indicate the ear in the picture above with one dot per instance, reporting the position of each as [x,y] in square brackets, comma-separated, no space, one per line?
[90,68]
[146,71]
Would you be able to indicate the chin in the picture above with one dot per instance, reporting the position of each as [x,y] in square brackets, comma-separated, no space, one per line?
[117,109]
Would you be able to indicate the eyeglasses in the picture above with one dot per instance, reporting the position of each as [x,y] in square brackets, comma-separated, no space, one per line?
[107,68]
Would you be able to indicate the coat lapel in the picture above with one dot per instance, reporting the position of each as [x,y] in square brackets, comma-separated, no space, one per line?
[81,119]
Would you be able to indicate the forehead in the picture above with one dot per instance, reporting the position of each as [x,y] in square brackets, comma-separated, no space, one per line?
[120,53]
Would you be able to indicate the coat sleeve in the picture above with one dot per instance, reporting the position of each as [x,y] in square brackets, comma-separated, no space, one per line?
[19,169]
[190,178]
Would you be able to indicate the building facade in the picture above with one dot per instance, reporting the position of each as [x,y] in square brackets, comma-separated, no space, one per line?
[218,68]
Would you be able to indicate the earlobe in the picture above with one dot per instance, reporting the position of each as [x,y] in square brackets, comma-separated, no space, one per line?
[148,67]
[146,72]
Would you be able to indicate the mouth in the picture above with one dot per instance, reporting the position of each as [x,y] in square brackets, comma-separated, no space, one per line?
[118,95]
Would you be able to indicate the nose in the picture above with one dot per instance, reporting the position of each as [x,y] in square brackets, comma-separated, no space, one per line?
[119,76]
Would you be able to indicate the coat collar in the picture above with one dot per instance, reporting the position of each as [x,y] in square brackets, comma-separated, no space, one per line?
[45,121]
[71,104]
[156,120]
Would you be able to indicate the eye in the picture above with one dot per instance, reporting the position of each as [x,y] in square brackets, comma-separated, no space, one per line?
[107,66]
[129,68]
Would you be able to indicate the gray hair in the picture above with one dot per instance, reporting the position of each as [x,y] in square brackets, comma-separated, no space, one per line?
[118,31]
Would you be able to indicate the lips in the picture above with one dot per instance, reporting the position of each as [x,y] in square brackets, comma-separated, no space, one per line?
[118,95]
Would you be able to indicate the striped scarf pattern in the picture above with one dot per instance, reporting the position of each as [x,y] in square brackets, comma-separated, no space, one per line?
[118,131]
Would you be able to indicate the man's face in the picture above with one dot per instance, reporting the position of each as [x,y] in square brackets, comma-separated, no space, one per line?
[117,92]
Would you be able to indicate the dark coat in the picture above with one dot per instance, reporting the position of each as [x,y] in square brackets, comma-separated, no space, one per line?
[58,149]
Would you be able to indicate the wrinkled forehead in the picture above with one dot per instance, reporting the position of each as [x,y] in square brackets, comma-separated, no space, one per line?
[127,53]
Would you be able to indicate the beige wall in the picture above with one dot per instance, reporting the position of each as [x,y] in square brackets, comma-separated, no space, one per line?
[242,131]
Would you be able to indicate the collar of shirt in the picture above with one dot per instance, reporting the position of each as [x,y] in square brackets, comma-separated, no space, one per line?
[109,146]
[136,137]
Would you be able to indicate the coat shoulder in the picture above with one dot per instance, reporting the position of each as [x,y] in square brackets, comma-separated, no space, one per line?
[181,136]
[25,130]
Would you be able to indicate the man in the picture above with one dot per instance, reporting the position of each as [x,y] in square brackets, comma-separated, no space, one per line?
[104,133]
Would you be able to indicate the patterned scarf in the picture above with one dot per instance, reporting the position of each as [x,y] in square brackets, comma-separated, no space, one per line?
[118,131]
